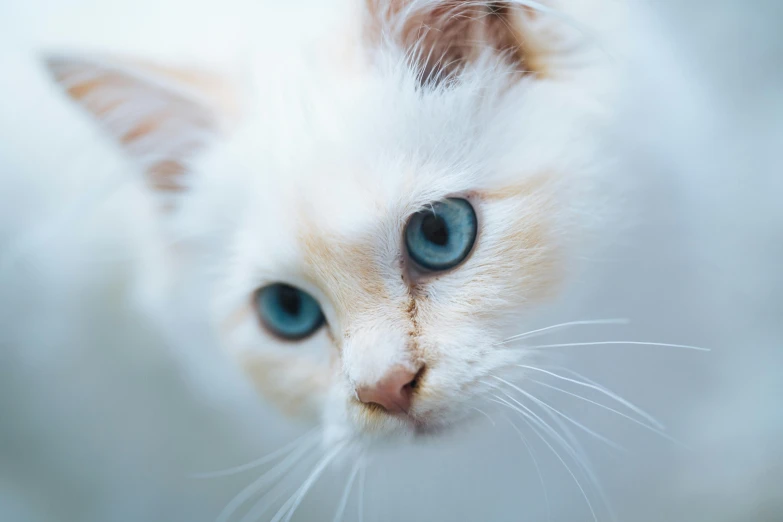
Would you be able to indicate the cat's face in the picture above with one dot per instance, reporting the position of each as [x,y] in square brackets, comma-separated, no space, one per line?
[378,301]
[372,230]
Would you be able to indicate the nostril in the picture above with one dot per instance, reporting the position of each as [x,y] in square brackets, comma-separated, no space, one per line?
[393,391]
[414,383]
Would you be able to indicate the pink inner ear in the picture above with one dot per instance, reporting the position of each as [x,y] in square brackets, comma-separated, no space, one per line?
[159,120]
[446,35]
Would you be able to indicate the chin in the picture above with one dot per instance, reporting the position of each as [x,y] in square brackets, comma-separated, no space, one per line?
[424,431]
[375,428]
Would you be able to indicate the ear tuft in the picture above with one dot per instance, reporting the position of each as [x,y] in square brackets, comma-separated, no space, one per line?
[444,36]
[161,117]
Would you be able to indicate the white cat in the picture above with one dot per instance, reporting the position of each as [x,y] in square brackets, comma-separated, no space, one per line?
[370,208]
[379,209]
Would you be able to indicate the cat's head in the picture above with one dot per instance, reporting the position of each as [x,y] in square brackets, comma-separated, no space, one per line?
[375,214]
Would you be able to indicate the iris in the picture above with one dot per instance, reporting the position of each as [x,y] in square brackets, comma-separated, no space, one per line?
[442,236]
[288,312]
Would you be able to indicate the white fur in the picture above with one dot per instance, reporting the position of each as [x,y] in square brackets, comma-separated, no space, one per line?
[353,144]
[361,149]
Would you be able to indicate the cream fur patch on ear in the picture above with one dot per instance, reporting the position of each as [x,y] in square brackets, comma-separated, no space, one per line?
[443,36]
[160,116]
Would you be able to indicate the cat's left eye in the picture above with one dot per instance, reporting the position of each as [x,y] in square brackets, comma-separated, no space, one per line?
[288,312]
[442,236]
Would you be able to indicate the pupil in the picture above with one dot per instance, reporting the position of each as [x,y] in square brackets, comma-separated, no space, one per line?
[290,301]
[434,229]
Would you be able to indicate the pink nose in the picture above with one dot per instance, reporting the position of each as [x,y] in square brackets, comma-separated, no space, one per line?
[392,391]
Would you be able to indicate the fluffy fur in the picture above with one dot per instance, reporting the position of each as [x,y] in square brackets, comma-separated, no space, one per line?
[312,186]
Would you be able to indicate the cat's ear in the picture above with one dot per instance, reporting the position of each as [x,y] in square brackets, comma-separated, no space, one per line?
[162,117]
[443,36]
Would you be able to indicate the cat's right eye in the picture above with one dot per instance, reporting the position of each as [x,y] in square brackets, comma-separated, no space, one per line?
[288,312]
[441,236]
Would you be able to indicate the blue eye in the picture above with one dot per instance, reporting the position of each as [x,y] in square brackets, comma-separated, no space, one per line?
[442,236]
[288,312]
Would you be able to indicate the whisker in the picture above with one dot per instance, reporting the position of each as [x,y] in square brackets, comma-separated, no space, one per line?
[621,414]
[283,509]
[278,470]
[576,451]
[338,516]
[543,425]
[532,333]
[529,413]
[535,464]
[573,475]
[579,457]
[485,414]
[638,343]
[256,463]
[360,504]
[288,512]
[603,390]
[271,497]
[562,461]
[563,415]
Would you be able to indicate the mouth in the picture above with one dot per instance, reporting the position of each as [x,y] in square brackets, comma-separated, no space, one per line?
[421,428]
[425,431]
[376,422]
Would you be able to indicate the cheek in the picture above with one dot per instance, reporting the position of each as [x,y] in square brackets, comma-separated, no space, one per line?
[459,354]
[296,385]
[531,267]
[517,267]
[518,262]
[292,376]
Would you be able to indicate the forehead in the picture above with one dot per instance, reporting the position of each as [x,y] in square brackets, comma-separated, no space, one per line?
[354,158]
[330,207]
[342,161]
